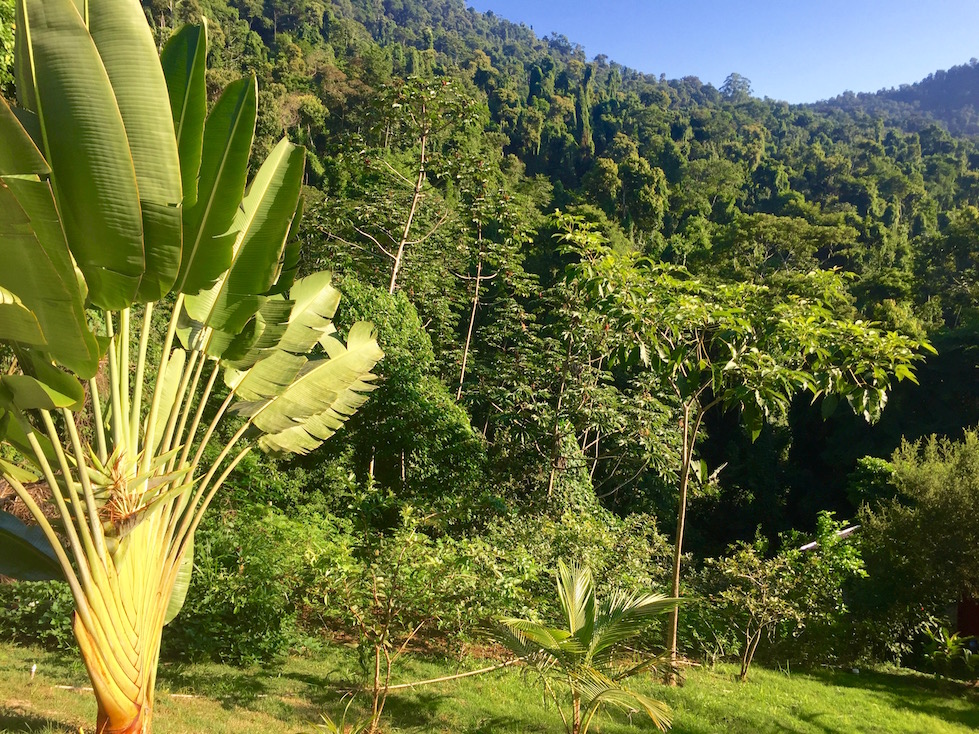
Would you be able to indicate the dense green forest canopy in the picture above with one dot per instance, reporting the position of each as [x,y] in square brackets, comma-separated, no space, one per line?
[440,141]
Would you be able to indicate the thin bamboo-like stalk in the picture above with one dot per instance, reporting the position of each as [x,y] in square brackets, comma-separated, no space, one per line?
[123,384]
[201,405]
[149,437]
[188,405]
[199,515]
[186,517]
[117,430]
[95,612]
[123,600]
[189,367]
[137,404]
[90,507]
[180,504]
[181,541]
[98,419]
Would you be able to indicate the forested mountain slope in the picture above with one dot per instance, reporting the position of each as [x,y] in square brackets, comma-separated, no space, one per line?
[949,97]
[441,139]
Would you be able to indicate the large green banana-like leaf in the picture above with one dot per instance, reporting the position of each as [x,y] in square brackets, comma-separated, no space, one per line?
[262,224]
[38,268]
[94,179]
[184,61]
[289,266]
[17,322]
[25,553]
[18,154]
[37,264]
[259,338]
[280,338]
[267,378]
[324,395]
[14,430]
[316,301]
[125,44]
[28,393]
[208,234]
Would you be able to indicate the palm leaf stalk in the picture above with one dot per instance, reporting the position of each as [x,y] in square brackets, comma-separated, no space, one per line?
[585,652]
[124,208]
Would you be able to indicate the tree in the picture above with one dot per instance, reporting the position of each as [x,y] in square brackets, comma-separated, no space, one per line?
[414,115]
[919,533]
[117,207]
[783,594]
[583,652]
[736,87]
[736,346]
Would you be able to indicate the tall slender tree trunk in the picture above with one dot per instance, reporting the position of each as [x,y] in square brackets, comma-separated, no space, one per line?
[670,677]
[415,199]
[469,332]
[575,712]
[556,430]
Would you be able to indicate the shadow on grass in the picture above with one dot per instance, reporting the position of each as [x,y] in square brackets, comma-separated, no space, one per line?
[917,694]
[232,689]
[15,722]
[425,712]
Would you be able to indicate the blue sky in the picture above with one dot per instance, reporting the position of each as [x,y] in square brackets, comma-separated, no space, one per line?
[796,50]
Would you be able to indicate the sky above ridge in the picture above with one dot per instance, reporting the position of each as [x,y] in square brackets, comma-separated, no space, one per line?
[795,50]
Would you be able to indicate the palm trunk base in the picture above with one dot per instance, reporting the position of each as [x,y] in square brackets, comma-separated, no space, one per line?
[139,725]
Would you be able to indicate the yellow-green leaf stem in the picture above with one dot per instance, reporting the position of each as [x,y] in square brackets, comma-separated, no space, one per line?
[212,427]
[122,339]
[98,419]
[186,516]
[93,513]
[199,514]
[95,609]
[149,437]
[96,570]
[195,425]
[39,517]
[189,369]
[137,406]
[178,436]
[116,400]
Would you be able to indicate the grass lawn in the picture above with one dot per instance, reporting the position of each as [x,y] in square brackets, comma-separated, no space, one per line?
[289,698]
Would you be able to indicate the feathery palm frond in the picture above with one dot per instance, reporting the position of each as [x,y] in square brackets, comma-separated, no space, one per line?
[583,653]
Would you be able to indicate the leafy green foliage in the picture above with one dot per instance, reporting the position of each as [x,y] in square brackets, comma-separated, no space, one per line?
[252,569]
[794,596]
[34,613]
[919,543]
[584,651]
[951,654]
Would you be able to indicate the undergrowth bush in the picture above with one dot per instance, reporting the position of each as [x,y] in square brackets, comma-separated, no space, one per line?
[252,571]
[37,613]
[792,599]
[627,553]
[919,537]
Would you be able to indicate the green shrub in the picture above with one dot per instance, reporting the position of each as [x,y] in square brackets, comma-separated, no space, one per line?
[37,613]
[253,570]
[794,598]
[919,546]
[952,655]
[625,553]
